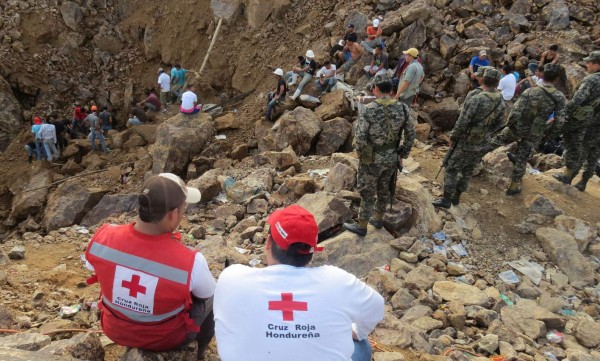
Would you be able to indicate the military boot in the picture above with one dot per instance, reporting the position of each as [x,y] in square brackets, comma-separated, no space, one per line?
[581,184]
[456,198]
[511,157]
[514,188]
[30,158]
[566,177]
[377,220]
[443,202]
[359,228]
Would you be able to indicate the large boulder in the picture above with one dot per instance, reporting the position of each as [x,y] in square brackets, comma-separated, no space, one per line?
[14,354]
[562,249]
[461,292]
[257,11]
[298,129]
[328,210]
[178,140]
[498,168]
[341,177]
[208,184]
[281,160]
[357,255]
[556,13]
[84,346]
[11,118]
[25,341]
[72,14]
[423,217]
[334,135]
[110,205]
[333,105]
[443,115]
[413,36]
[32,195]
[399,19]
[69,204]
[582,231]
[146,131]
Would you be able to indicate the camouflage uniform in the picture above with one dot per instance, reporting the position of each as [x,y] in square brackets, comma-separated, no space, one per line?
[481,116]
[479,74]
[581,131]
[528,122]
[378,131]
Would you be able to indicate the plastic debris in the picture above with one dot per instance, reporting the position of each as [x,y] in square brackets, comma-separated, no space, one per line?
[69,311]
[530,269]
[439,236]
[550,356]
[506,300]
[463,279]
[254,262]
[554,336]
[384,268]
[534,171]
[460,250]
[509,277]
[80,229]
[238,192]
[241,250]
[220,137]
[567,312]
[440,250]
[318,172]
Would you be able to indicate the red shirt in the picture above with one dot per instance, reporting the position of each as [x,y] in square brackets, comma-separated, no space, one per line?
[373,33]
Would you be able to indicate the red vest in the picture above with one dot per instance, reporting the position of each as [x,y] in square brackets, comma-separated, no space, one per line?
[145,287]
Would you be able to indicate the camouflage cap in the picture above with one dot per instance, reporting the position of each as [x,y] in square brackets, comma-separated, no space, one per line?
[594,56]
[492,73]
[552,68]
[383,78]
[481,70]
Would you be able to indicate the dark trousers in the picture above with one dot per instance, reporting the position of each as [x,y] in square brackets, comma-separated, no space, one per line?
[202,314]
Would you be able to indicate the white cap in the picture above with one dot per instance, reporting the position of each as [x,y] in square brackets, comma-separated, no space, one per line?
[483,53]
[192,195]
[375,22]
[310,54]
[341,42]
[278,71]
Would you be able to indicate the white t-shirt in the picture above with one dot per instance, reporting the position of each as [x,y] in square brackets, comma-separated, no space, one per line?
[292,313]
[508,85]
[328,73]
[165,82]
[202,283]
[187,100]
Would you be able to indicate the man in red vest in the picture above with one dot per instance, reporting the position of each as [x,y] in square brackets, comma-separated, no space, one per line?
[155,293]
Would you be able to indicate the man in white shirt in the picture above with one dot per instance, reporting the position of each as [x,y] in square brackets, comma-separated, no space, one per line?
[327,78]
[47,134]
[508,83]
[164,82]
[189,101]
[288,311]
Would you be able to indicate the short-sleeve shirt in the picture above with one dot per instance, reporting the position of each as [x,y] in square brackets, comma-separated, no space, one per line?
[381,60]
[328,73]
[373,32]
[312,67]
[140,114]
[178,76]
[188,99]
[105,117]
[414,75]
[165,82]
[153,99]
[476,63]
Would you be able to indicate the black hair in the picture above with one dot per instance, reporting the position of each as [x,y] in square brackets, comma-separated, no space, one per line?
[301,58]
[104,108]
[490,82]
[385,87]
[327,62]
[553,47]
[507,68]
[177,66]
[549,76]
[296,255]
[147,214]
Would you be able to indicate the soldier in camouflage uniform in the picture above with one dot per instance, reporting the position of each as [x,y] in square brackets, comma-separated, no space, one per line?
[379,129]
[537,112]
[471,137]
[479,77]
[581,131]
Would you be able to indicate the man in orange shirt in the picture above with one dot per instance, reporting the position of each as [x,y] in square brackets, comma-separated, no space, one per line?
[373,37]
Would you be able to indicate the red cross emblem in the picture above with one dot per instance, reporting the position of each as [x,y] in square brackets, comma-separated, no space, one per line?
[134,286]
[287,306]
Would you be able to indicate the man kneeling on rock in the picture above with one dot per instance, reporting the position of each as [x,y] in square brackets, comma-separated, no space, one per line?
[288,311]
[379,129]
[155,293]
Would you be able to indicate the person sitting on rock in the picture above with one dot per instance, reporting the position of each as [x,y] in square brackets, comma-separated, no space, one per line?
[474,64]
[307,72]
[139,113]
[356,52]
[151,102]
[156,293]
[291,77]
[374,33]
[189,101]
[338,53]
[508,84]
[290,311]
[550,56]
[327,79]
[273,98]
[379,63]
[133,120]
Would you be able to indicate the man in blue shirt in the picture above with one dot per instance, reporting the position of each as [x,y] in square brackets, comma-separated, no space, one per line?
[476,62]
[178,75]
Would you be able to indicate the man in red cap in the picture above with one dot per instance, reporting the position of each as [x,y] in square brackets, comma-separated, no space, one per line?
[288,311]
[35,129]
[155,293]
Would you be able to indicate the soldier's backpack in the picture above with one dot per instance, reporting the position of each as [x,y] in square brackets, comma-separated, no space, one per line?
[540,125]
[477,131]
[584,113]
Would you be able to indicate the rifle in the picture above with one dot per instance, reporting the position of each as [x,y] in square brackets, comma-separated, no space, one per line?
[393,182]
[447,157]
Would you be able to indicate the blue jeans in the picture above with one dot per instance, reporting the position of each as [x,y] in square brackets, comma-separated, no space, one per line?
[362,350]
[49,145]
[98,134]
[106,128]
[271,103]
[329,83]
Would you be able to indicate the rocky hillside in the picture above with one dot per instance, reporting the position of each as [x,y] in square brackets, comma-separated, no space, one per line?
[444,273]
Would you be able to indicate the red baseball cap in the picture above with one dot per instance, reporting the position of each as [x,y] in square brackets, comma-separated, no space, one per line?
[294,224]
[37,120]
